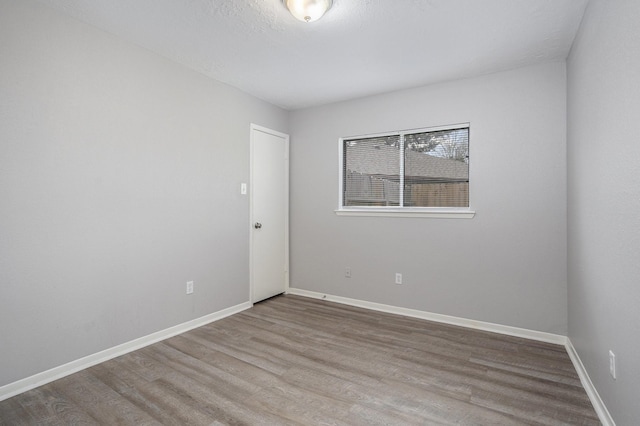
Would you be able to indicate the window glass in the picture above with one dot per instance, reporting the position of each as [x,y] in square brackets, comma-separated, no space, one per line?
[372,171]
[436,169]
[408,169]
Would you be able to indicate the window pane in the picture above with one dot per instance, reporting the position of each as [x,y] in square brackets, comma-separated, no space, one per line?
[436,169]
[372,171]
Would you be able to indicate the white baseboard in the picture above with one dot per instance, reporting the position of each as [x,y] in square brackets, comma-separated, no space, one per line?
[587,384]
[15,388]
[446,319]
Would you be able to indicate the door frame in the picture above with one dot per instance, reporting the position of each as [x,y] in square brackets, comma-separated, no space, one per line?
[257,128]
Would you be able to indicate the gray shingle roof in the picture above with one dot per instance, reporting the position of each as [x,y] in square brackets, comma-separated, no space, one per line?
[383,161]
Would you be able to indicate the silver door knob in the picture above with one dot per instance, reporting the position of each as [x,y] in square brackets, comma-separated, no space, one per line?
[258,225]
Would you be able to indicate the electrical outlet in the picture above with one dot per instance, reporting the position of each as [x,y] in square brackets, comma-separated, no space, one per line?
[398,278]
[189,287]
[612,364]
[243,188]
[347,272]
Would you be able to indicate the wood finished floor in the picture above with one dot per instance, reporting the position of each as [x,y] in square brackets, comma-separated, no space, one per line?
[293,360]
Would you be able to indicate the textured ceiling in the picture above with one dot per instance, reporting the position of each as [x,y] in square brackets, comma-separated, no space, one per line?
[359,48]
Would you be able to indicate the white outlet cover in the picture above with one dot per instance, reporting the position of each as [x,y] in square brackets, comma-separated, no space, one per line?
[243,188]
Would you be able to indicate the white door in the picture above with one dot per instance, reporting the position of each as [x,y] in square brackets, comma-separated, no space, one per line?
[269,213]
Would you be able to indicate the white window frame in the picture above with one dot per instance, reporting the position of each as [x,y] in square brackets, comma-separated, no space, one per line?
[380,211]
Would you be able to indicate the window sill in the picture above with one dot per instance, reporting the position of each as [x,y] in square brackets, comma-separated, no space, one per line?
[429,213]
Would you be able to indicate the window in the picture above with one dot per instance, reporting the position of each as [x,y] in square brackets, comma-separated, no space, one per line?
[417,170]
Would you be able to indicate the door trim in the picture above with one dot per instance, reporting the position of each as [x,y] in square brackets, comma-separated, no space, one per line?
[257,128]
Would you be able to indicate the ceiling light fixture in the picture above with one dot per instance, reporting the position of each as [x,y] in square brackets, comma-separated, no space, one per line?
[308,10]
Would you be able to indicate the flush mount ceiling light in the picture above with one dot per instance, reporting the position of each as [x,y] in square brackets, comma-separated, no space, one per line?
[308,10]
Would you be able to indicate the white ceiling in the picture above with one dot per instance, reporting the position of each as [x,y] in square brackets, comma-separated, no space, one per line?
[359,48]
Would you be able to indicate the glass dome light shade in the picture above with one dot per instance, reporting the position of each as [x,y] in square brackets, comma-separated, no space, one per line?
[308,10]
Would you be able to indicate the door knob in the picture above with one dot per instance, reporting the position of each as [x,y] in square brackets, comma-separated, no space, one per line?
[258,225]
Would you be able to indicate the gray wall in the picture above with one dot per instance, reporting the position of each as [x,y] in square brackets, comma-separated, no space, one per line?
[604,200]
[507,265]
[119,181]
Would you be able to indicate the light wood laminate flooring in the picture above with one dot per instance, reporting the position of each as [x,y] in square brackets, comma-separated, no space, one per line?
[294,360]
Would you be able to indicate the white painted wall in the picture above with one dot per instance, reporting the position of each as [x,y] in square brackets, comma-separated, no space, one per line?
[604,200]
[507,265]
[120,180]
